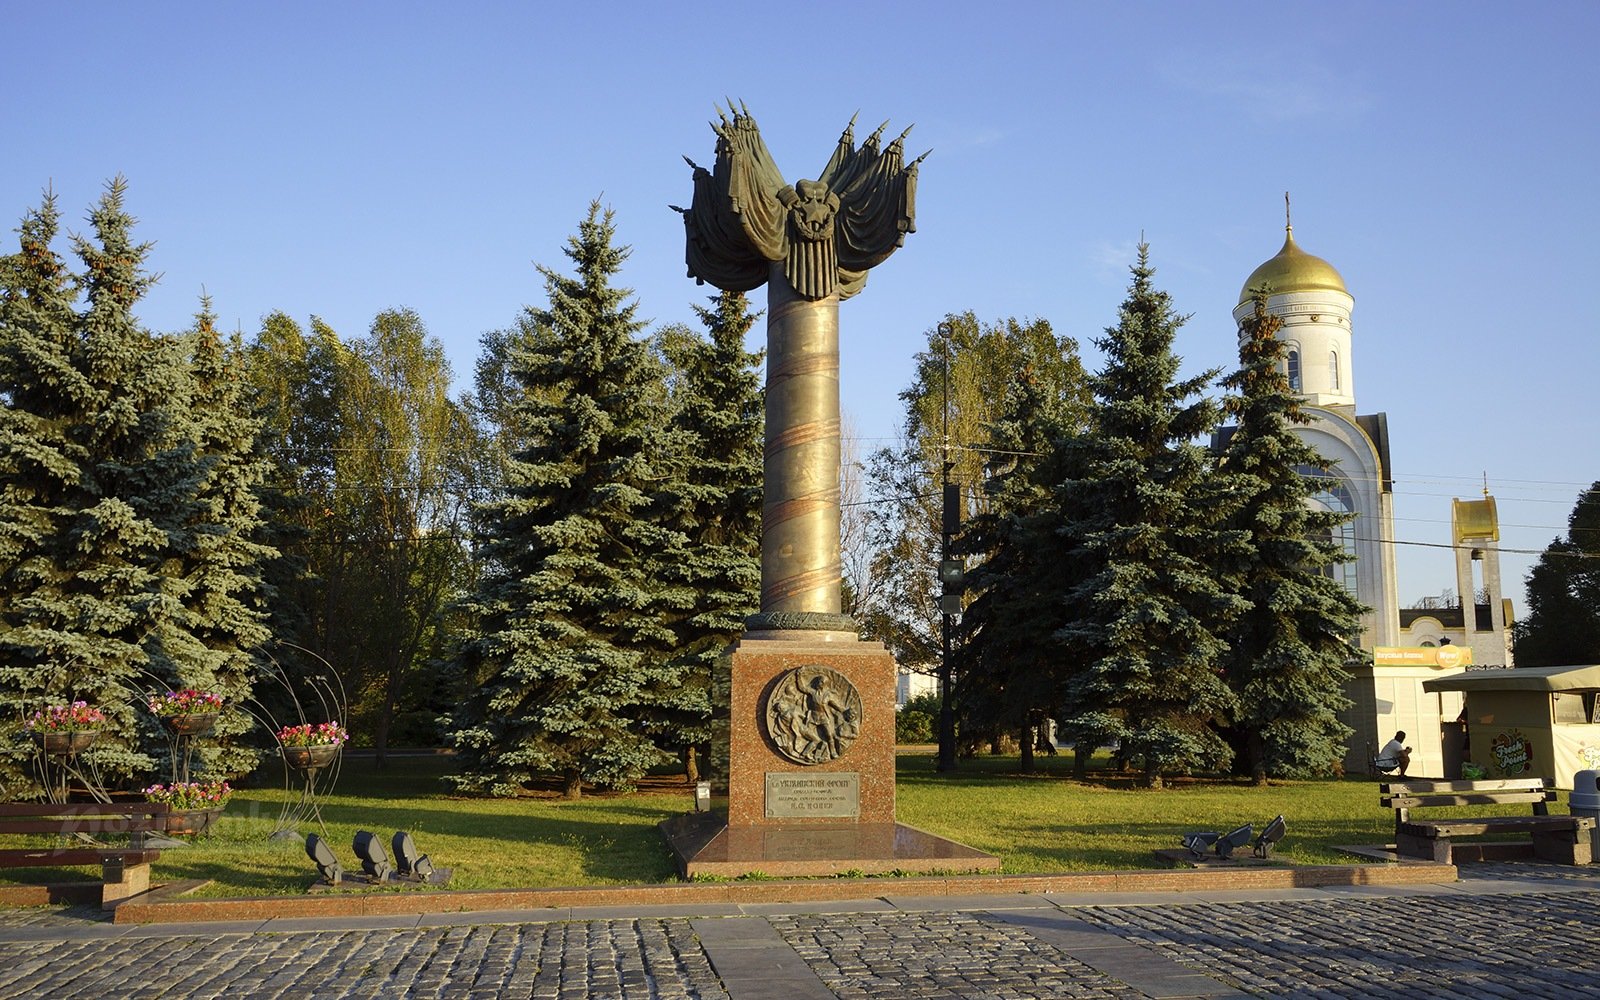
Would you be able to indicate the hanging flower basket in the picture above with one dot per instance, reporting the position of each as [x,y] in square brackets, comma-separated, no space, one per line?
[306,758]
[193,806]
[65,742]
[61,730]
[187,712]
[191,822]
[192,724]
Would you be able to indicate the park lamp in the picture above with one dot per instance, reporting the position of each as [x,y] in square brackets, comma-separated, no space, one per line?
[953,580]
[1197,843]
[1232,841]
[326,861]
[1270,835]
[410,863]
[374,859]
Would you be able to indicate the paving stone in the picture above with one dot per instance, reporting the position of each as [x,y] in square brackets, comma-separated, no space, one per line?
[1521,931]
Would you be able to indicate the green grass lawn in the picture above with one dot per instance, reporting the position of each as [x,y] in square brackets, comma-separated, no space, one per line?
[1034,823]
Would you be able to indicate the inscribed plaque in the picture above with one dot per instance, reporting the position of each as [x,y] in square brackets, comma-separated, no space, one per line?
[829,795]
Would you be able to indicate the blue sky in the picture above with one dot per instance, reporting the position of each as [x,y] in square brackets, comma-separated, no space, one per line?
[341,159]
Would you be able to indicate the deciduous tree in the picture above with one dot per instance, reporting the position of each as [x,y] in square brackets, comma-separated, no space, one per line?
[1563,621]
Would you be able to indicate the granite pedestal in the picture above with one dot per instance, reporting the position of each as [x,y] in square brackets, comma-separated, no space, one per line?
[811,805]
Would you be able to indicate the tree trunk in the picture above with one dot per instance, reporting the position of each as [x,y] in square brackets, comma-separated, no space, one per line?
[1258,759]
[573,788]
[380,737]
[691,765]
[1025,744]
[1080,760]
[1150,777]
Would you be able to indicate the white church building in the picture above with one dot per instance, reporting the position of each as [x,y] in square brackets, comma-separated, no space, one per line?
[1409,645]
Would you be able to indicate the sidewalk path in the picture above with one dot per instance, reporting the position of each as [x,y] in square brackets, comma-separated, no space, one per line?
[1524,931]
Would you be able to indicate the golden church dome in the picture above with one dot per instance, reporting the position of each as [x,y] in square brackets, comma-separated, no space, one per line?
[1293,270]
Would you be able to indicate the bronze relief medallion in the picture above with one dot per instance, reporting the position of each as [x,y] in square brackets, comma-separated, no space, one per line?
[813,714]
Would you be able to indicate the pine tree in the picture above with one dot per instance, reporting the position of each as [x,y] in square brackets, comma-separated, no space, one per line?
[1291,647]
[715,501]
[1563,621]
[1139,511]
[572,604]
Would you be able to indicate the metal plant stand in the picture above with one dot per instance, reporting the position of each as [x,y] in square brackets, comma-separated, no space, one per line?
[183,732]
[58,763]
[317,769]
[308,693]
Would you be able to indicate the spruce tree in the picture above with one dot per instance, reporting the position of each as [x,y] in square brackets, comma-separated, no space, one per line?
[572,606]
[1291,647]
[967,367]
[98,501]
[214,642]
[1139,509]
[39,463]
[715,501]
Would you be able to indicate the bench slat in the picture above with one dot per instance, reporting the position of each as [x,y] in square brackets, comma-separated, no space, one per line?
[116,824]
[44,857]
[1478,826]
[83,808]
[1414,801]
[1487,785]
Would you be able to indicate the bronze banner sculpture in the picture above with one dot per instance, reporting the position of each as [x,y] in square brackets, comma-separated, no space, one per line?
[812,244]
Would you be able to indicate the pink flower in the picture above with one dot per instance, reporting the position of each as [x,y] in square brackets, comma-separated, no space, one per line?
[191,795]
[185,702]
[65,718]
[309,735]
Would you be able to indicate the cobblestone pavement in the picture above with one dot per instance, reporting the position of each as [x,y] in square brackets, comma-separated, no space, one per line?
[1508,930]
[570,961]
[939,954]
[1512,945]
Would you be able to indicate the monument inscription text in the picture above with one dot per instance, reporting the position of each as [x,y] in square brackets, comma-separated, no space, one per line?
[832,794]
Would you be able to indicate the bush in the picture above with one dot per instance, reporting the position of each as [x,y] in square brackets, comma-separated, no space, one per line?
[913,726]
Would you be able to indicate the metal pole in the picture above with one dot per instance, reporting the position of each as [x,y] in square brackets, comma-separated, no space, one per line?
[947,715]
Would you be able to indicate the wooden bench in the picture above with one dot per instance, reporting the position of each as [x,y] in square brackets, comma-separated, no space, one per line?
[1563,839]
[125,871]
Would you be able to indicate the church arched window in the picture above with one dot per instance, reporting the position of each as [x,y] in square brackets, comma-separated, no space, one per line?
[1333,370]
[1333,494]
[1292,359]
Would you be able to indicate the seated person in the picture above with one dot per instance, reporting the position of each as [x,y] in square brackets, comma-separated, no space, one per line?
[1395,754]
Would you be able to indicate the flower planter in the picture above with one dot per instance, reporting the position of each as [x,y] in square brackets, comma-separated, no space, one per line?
[190,724]
[191,822]
[305,758]
[64,742]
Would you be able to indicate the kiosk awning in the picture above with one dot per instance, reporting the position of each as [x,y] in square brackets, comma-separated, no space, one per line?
[1584,678]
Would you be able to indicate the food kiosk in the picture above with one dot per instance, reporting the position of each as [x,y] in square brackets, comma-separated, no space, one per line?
[1530,722]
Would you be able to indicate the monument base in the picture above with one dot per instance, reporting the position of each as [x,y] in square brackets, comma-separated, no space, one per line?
[705,845]
[767,787]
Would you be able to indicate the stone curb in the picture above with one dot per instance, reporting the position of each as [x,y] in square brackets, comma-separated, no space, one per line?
[166,905]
